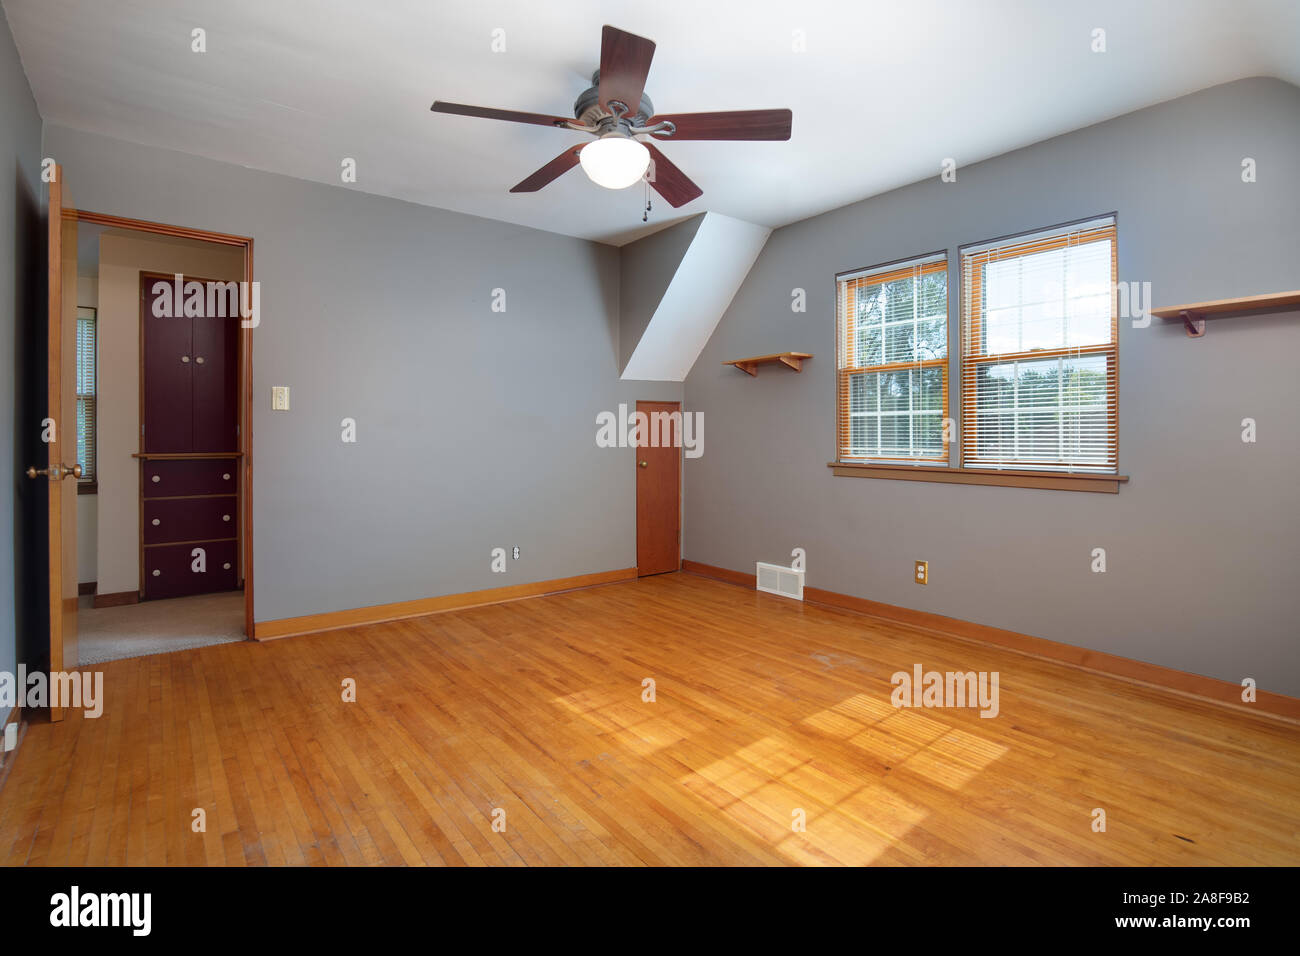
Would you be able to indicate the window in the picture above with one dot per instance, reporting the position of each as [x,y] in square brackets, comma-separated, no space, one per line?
[1039,351]
[892,362]
[86,393]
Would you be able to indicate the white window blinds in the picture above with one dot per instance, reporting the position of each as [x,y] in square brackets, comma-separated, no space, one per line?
[892,363]
[1040,351]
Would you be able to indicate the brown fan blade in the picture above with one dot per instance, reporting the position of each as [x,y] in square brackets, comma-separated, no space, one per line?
[624,64]
[513,116]
[736,124]
[669,181]
[550,172]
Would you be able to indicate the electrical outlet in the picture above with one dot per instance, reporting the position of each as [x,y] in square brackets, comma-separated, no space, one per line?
[279,398]
[923,572]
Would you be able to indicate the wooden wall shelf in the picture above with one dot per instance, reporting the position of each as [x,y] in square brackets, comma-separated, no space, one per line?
[1193,314]
[750,366]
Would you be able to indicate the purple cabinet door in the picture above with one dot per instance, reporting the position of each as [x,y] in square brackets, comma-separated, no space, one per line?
[216,399]
[168,371]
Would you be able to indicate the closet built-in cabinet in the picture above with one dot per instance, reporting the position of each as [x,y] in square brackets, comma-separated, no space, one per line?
[189,447]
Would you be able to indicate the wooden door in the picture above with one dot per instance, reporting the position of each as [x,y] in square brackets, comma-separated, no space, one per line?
[658,488]
[60,433]
[167,369]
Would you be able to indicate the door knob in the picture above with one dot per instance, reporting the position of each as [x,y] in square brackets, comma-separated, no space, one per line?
[644,463]
[55,472]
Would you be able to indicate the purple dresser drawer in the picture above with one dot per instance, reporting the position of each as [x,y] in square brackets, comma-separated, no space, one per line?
[168,569]
[168,478]
[190,519]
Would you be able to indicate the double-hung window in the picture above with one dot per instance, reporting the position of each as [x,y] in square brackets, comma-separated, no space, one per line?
[86,394]
[1039,351]
[892,363]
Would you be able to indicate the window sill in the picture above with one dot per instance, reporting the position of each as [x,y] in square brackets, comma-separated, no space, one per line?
[88,487]
[1052,480]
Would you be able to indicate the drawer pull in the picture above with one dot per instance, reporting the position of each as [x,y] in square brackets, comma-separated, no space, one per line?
[199,360]
[226,566]
[156,478]
[226,476]
[156,572]
[225,517]
[185,359]
[156,522]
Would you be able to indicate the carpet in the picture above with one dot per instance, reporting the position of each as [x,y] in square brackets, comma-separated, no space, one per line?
[158,627]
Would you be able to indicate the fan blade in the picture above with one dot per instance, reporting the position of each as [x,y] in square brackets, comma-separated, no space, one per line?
[624,64]
[737,124]
[550,172]
[513,116]
[669,181]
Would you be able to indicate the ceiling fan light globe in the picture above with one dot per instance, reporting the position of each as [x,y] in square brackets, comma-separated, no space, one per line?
[614,161]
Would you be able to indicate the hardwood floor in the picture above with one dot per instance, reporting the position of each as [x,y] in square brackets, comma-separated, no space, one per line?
[763,707]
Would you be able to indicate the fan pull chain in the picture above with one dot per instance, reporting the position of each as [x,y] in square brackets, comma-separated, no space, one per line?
[645,215]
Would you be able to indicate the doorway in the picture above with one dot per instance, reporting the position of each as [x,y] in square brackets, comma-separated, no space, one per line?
[658,487]
[78,397]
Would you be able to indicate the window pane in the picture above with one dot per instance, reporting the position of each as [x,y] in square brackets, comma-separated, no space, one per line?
[1043,410]
[898,300]
[898,342]
[897,414]
[85,385]
[932,339]
[869,347]
[82,433]
[1058,298]
[934,296]
[899,321]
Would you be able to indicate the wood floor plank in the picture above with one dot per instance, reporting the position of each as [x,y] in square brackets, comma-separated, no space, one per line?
[765,710]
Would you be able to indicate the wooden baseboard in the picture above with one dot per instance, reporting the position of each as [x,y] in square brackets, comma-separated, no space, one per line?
[1112,665]
[381,613]
[85,587]
[117,599]
[7,757]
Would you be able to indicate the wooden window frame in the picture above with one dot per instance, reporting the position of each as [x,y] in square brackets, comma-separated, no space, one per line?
[1015,475]
[971,286]
[845,343]
[89,485]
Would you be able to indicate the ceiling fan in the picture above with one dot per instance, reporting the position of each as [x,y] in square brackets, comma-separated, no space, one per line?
[616,110]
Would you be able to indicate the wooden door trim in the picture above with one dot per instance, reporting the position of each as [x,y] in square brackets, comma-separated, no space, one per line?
[677,518]
[245,371]
[55,412]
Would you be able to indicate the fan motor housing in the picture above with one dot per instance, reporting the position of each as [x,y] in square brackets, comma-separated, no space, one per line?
[588,111]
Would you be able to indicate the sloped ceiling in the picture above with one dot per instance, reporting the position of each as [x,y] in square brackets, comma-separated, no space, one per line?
[702,284]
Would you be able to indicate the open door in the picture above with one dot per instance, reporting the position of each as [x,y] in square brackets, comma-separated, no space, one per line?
[60,434]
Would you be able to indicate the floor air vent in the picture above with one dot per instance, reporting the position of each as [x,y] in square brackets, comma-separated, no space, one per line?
[775,579]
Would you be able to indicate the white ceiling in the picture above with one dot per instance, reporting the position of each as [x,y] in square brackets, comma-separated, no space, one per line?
[884,92]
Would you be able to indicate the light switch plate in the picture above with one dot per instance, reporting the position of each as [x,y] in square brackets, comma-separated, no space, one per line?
[279,398]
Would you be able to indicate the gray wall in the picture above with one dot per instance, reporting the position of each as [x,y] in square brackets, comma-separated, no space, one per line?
[476,429]
[21,264]
[1203,543]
